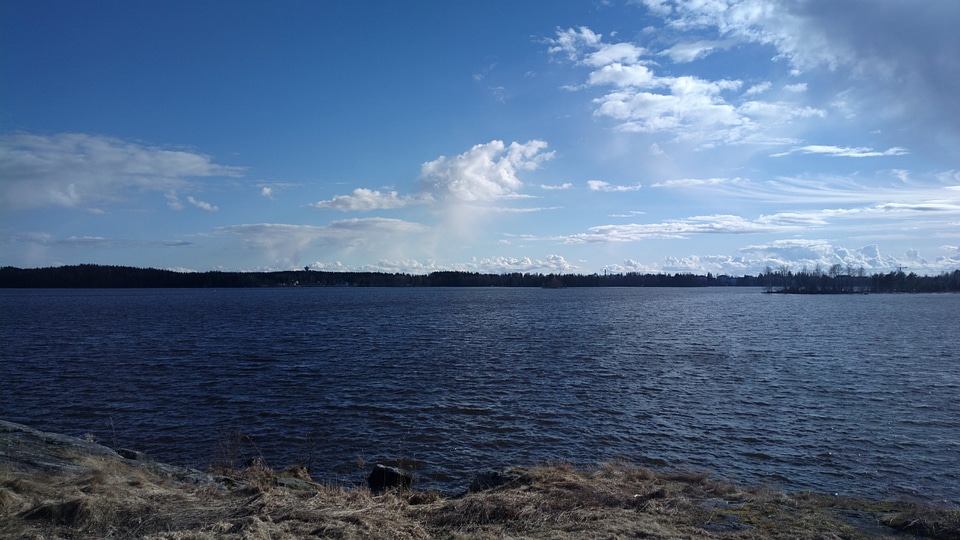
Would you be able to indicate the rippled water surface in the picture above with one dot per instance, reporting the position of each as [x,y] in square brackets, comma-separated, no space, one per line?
[851,394]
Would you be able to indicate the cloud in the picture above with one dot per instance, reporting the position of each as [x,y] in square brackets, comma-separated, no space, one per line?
[77,170]
[202,205]
[680,228]
[553,263]
[809,253]
[758,88]
[840,151]
[285,244]
[600,185]
[483,173]
[689,107]
[565,185]
[363,199]
[690,51]
[90,242]
[899,54]
[695,182]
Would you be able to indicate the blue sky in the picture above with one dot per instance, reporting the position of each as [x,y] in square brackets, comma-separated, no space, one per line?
[698,136]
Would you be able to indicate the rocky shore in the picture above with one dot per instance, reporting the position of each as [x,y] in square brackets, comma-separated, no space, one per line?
[56,486]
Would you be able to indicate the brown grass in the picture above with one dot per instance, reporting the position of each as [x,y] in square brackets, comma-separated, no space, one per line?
[121,499]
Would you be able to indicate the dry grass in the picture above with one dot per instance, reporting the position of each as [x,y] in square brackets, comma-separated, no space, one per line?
[112,498]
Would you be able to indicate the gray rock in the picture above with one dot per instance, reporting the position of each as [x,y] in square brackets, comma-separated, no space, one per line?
[383,477]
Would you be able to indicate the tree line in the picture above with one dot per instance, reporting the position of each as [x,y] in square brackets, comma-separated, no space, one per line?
[836,280]
[104,276]
[848,280]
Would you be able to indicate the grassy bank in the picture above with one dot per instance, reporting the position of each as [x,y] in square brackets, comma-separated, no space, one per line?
[51,488]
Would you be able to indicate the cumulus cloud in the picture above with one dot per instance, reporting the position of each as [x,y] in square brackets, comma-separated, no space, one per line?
[799,253]
[689,107]
[77,170]
[565,185]
[552,264]
[902,49]
[483,173]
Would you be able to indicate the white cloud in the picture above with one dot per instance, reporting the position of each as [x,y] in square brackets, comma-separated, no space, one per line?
[894,51]
[841,151]
[695,182]
[564,186]
[680,228]
[758,88]
[205,206]
[267,192]
[363,199]
[689,107]
[555,264]
[796,88]
[483,173]
[77,170]
[690,51]
[600,185]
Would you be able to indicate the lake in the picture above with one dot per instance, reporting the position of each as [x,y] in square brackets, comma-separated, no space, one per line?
[852,394]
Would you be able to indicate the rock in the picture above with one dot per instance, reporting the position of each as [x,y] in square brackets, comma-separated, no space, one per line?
[135,455]
[383,477]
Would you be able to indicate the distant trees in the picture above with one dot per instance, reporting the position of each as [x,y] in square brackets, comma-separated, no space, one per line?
[846,280]
[836,280]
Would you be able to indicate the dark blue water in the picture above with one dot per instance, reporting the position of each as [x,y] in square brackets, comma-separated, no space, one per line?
[857,395]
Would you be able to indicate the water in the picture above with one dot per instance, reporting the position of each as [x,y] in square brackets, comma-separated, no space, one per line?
[858,395]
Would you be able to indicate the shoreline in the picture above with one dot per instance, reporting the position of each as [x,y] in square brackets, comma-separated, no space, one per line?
[57,485]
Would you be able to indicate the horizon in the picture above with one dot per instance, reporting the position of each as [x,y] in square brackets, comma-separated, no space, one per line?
[647,136]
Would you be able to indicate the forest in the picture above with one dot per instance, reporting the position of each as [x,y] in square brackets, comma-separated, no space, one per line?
[836,280]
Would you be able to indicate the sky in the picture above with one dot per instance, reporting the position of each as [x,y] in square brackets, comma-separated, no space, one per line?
[719,136]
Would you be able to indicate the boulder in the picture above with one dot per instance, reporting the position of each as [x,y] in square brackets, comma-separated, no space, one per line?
[383,477]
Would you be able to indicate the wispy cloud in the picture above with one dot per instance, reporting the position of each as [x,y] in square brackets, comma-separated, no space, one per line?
[90,242]
[285,243]
[600,185]
[680,228]
[362,200]
[77,170]
[205,206]
[691,182]
[842,151]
